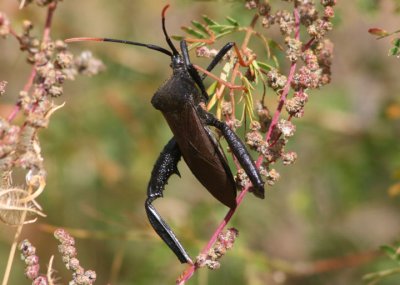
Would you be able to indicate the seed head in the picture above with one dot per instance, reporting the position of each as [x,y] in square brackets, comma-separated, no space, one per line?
[286,127]
[86,64]
[3,85]
[224,242]
[241,178]
[254,139]
[251,4]
[227,108]
[328,2]
[295,105]
[294,48]
[4,25]
[289,157]
[32,271]
[276,80]
[272,177]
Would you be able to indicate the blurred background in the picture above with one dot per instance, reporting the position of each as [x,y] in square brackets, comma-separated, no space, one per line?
[331,206]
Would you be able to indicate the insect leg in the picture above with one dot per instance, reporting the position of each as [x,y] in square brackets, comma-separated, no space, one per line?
[238,149]
[218,57]
[165,166]
[192,71]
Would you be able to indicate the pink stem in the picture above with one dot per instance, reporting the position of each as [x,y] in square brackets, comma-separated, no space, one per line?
[285,90]
[47,26]
[188,273]
[14,112]
[278,111]
[27,86]
[192,268]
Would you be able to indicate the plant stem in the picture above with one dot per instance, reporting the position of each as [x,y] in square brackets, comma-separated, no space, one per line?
[285,90]
[45,38]
[188,273]
[372,278]
[13,249]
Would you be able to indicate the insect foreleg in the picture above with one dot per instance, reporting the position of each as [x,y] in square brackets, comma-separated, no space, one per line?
[192,70]
[218,57]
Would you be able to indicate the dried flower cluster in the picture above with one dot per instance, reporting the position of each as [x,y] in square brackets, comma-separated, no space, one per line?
[224,242]
[315,58]
[204,51]
[16,203]
[267,132]
[4,25]
[68,252]
[69,256]
[32,269]
[52,64]
[3,85]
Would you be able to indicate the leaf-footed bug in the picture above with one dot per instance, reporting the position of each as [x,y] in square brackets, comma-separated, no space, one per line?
[181,99]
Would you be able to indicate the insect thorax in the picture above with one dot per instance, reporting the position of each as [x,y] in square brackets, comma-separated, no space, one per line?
[176,92]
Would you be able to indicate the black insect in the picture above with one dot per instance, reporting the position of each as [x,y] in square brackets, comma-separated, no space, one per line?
[181,99]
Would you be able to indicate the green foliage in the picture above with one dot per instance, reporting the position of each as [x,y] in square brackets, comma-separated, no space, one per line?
[395,50]
[393,252]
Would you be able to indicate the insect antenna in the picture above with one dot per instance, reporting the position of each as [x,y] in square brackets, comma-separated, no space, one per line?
[167,38]
[149,46]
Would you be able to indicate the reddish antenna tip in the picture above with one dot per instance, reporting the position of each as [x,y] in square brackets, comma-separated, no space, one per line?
[72,40]
[164,11]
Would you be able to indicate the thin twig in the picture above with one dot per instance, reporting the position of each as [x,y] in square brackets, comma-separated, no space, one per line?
[50,271]
[221,81]
[13,248]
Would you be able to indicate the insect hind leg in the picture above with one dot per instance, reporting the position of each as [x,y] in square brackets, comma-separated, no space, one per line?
[165,166]
[238,149]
